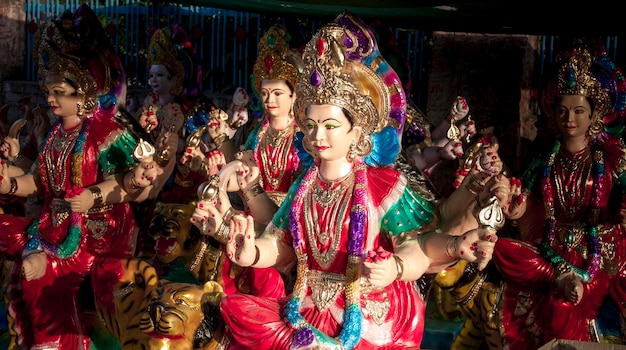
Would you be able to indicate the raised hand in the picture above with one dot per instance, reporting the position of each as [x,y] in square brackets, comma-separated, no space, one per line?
[5,182]
[474,246]
[241,248]
[10,148]
[459,109]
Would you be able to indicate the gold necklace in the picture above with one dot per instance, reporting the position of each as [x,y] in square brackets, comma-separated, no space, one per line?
[329,226]
[56,157]
[274,149]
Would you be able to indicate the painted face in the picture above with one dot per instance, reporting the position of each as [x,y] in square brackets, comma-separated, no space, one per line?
[160,79]
[329,131]
[573,116]
[277,98]
[61,97]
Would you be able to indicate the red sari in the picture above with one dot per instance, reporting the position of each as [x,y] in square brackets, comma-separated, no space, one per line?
[533,311]
[393,317]
[50,311]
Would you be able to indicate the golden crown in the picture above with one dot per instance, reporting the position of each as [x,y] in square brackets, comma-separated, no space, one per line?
[275,60]
[335,73]
[162,51]
[574,77]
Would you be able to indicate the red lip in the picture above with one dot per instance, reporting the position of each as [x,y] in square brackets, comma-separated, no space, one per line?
[321,148]
[54,108]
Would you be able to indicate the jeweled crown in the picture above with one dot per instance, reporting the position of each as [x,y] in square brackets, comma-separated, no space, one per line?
[275,60]
[343,67]
[162,51]
[574,77]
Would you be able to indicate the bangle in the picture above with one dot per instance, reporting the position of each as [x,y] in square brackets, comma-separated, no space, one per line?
[258,255]
[252,191]
[399,266]
[17,159]
[221,235]
[162,158]
[13,187]
[220,139]
[96,193]
[451,247]
[473,185]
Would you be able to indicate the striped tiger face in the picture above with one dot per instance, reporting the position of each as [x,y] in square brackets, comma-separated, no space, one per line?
[175,317]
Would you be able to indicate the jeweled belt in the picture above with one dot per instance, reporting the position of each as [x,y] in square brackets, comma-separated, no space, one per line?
[325,287]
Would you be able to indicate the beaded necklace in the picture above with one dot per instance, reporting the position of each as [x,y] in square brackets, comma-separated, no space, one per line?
[593,244]
[351,332]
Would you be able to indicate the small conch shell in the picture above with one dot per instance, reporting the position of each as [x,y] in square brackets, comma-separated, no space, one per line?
[143,151]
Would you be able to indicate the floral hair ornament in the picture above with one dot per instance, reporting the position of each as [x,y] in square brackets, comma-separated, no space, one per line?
[275,60]
[343,67]
[162,51]
[574,77]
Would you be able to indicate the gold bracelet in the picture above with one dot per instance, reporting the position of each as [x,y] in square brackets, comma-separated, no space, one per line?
[399,266]
[221,235]
[252,191]
[473,185]
[13,185]
[451,247]
[229,214]
[17,159]
[258,255]
[96,193]
[220,139]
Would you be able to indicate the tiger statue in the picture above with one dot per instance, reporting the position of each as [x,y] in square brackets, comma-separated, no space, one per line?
[180,247]
[184,316]
[478,299]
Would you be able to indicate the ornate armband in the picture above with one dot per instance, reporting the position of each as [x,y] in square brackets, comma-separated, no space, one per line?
[252,191]
[13,187]
[96,193]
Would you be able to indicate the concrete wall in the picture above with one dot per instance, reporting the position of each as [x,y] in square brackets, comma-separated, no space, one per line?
[12,38]
[497,75]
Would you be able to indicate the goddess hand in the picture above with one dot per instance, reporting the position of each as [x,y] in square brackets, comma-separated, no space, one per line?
[468,128]
[34,266]
[249,173]
[147,118]
[379,268]
[241,248]
[515,205]
[452,150]
[459,109]
[10,148]
[474,246]
[489,161]
[5,182]
[80,200]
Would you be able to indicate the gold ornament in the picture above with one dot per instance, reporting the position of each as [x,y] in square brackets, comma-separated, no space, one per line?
[161,51]
[331,77]
[275,60]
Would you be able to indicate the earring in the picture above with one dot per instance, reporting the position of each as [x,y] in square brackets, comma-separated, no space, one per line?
[79,109]
[352,151]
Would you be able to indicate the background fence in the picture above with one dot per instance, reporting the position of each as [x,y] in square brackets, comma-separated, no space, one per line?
[226,40]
